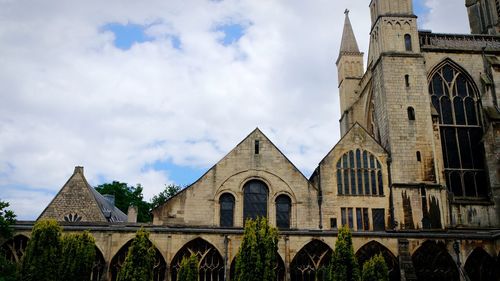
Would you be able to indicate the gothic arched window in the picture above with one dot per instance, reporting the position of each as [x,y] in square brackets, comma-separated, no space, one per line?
[255,200]
[359,173]
[457,102]
[226,202]
[408,42]
[283,210]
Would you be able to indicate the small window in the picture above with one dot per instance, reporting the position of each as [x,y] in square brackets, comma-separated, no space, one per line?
[362,219]
[419,157]
[411,113]
[257,144]
[226,202]
[283,208]
[408,42]
[347,217]
[333,223]
[407,80]
[378,216]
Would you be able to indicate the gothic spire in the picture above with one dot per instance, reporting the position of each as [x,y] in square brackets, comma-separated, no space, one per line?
[349,44]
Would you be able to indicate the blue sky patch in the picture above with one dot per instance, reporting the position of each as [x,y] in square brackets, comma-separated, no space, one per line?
[420,9]
[128,34]
[181,175]
[232,32]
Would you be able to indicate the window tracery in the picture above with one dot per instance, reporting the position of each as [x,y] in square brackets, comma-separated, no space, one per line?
[359,173]
[255,200]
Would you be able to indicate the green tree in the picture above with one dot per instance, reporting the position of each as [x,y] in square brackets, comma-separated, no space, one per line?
[125,196]
[8,269]
[42,256]
[188,270]
[256,257]
[343,266]
[375,269]
[139,262]
[7,218]
[162,197]
[77,254]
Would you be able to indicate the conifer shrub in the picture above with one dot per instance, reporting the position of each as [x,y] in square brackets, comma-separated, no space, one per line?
[188,270]
[139,262]
[77,254]
[375,269]
[343,266]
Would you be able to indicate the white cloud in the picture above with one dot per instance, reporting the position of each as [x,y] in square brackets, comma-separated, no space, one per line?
[69,97]
[446,16]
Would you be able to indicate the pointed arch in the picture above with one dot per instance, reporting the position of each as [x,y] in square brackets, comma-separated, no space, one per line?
[311,262]
[456,98]
[210,261]
[279,269]
[159,267]
[373,248]
[432,262]
[98,266]
[480,266]
[14,248]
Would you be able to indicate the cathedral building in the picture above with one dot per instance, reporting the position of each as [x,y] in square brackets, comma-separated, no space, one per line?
[415,174]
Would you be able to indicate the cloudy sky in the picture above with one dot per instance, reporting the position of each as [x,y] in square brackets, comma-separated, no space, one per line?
[156,92]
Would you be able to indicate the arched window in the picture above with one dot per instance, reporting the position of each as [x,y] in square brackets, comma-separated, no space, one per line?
[283,210]
[411,113]
[226,202]
[255,200]
[359,173]
[455,98]
[408,42]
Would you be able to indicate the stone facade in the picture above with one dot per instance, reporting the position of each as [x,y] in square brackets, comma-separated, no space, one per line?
[415,174]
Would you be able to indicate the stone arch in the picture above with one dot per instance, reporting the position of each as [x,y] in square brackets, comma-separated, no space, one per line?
[280,269]
[210,261]
[311,262]
[14,248]
[480,266]
[432,262]
[373,248]
[159,268]
[98,266]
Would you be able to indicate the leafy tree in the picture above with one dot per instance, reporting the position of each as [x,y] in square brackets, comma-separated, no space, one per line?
[162,197]
[188,270]
[375,269]
[7,218]
[343,266]
[125,196]
[139,262]
[8,269]
[77,254]
[42,257]
[256,257]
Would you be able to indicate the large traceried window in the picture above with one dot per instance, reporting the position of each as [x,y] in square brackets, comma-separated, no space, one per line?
[359,173]
[255,200]
[226,202]
[455,97]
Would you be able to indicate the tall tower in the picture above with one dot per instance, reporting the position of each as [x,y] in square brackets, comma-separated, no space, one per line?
[350,71]
[484,16]
[400,96]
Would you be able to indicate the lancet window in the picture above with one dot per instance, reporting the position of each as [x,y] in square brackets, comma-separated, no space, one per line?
[359,173]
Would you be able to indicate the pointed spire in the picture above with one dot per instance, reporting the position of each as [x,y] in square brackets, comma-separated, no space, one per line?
[349,44]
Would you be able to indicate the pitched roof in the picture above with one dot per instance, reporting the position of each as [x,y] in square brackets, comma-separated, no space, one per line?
[78,201]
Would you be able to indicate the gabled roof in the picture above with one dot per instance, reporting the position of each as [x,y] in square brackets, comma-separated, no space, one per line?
[77,197]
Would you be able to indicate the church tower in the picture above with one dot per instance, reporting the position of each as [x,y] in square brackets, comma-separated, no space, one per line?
[484,16]
[350,71]
[400,98]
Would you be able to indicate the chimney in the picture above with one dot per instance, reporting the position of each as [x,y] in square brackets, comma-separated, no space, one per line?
[110,198]
[79,170]
[132,214]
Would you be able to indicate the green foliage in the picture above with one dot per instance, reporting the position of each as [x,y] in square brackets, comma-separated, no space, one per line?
[8,269]
[42,256]
[139,262]
[256,257]
[343,266]
[78,254]
[162,197]
[125,196]
[7,218]
[375,269]
[189,269]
